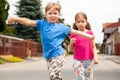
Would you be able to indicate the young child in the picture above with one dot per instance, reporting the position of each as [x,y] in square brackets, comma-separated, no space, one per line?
[84,50]
[52,35]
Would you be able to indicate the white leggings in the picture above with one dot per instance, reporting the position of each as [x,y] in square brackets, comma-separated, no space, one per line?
[55,65]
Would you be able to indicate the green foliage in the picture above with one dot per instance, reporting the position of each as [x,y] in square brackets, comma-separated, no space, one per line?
[30,9]
[4,7]
[70,52]
[66,43]
[2,61]
[99,47]
[101,50]
[8,31]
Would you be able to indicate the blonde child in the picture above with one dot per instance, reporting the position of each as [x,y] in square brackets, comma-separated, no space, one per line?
[84,50]
[52,35]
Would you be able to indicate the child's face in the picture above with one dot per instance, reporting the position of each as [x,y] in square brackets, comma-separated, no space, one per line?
[81,24]
[52,15]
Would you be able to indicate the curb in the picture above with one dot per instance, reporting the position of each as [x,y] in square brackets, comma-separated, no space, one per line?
[113,58]
[116,60]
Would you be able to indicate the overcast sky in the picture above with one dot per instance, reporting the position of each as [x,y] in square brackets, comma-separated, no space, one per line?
[98,12]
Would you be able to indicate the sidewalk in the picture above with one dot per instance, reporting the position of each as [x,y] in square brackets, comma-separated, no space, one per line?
[113,58]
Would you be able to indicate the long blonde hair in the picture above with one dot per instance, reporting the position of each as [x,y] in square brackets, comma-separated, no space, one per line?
[84,16]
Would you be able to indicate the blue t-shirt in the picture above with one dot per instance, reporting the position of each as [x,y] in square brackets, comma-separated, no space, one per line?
[52,35]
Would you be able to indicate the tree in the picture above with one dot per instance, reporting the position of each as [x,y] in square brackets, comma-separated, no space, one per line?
[30,9]
[4,7]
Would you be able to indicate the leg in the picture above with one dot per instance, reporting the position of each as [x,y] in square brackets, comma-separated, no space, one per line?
[79,70]
[55,66]
[88,70]
[89,74]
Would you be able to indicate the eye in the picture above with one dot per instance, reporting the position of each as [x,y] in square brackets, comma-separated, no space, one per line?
[50,13]
[55,13]
[78,21]
[82,21]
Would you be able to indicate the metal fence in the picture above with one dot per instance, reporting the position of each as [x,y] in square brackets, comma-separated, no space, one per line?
[19,47]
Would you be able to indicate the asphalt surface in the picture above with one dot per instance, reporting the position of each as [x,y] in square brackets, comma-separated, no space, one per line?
[35,69]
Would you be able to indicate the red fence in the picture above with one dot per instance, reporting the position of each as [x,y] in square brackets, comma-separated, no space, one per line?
[117,49]
[19,47]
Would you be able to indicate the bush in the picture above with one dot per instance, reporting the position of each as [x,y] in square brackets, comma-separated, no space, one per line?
[70,52]
[2,61]
[13,59]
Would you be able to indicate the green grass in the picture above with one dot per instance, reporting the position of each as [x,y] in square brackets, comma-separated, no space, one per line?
[2,61]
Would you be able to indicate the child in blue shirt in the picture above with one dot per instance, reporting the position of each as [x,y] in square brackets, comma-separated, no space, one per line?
[52,35]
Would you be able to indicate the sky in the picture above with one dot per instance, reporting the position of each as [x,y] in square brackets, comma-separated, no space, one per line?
[97,11]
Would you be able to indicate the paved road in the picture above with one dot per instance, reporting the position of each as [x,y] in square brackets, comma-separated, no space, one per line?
[35,69]
[108,68]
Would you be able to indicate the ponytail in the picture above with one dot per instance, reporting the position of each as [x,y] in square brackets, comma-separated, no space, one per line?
[74,26]
[88,26]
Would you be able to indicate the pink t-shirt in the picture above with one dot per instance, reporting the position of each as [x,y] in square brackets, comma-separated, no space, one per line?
[83,49]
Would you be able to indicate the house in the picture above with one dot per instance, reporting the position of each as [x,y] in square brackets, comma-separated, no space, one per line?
[111,40]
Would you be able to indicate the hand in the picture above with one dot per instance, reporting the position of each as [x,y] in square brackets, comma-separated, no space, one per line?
[96,61]
[10,20]
[91,37]
[72,40]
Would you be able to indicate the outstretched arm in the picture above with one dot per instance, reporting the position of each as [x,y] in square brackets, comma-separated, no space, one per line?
[80,33]
[24,21]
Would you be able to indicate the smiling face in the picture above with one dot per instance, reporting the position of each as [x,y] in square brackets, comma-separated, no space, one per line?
[52,12]
[52,15]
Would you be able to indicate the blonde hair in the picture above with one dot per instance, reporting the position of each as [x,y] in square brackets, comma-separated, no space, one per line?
[50,5]
[84,16]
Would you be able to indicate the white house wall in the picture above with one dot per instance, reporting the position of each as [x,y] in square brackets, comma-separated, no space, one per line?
[109,30]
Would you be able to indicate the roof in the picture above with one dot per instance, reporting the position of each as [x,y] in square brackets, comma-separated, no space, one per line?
[111,24]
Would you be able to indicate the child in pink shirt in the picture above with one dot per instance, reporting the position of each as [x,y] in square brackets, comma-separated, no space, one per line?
[84,50]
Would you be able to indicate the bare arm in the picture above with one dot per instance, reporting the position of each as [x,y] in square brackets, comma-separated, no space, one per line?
[95,53]
[80,33]
[24,21]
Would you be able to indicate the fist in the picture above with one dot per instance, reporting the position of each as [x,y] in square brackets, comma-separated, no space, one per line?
[10,20]
[72,40]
